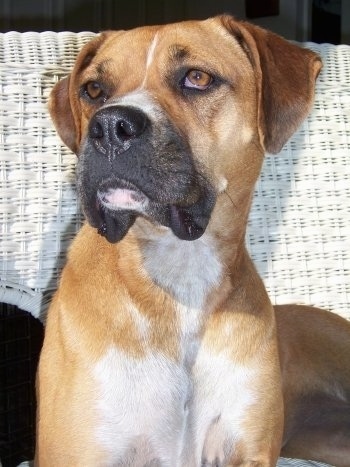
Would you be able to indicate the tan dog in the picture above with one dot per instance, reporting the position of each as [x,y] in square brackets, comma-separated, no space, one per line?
[161,346]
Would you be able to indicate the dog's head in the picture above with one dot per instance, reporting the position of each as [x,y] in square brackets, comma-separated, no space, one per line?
[168,120]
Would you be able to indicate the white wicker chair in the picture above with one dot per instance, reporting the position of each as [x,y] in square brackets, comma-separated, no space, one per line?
[299,231]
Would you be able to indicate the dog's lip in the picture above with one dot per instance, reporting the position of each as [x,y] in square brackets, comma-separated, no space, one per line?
[183,223]
[120,194]
[122,198]
[119,198]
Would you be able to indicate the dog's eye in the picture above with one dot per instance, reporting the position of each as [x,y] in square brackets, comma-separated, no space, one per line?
[197,79]
[93,90]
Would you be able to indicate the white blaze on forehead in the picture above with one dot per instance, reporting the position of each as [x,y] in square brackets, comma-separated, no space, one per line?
[150,57]
[150,54]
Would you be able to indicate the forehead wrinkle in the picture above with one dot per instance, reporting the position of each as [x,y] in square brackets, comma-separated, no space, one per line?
[178,53]
[102,67]
[237,34]
[101,72]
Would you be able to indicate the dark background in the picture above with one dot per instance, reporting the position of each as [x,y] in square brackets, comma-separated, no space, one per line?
[324,16]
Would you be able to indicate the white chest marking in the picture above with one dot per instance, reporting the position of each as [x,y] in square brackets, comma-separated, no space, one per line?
[141,409]
[223,393]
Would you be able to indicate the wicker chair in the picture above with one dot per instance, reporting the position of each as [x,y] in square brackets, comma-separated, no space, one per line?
[299,229]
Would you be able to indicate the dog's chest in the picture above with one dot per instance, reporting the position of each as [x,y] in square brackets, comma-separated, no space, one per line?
[143,404]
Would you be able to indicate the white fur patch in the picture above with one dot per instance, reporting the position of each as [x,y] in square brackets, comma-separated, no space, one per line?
[150,54]
[150,58]
[222,184]
[142,409]
[139,99]
[223,394]
[189,270]
[153,411]
[143,404]
[122,198]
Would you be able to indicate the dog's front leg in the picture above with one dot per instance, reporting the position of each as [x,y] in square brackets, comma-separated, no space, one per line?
[109,408]
[237,410]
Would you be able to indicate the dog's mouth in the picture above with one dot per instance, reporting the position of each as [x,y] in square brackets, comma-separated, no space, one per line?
[119,205]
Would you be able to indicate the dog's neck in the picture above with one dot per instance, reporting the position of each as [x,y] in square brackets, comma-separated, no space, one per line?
[187,270]
[193,272]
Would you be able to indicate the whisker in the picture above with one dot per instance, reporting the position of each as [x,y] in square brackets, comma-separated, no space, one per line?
[229,197]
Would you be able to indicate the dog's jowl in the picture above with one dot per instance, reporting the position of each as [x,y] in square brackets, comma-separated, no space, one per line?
[162,347]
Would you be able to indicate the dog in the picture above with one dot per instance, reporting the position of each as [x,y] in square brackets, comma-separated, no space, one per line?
[162,347]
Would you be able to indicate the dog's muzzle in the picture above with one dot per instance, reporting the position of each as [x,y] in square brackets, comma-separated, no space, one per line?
[132,164]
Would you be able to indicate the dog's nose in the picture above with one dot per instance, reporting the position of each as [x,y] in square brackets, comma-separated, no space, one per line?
[113,128]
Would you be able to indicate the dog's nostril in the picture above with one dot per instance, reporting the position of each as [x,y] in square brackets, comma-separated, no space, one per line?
[96,130]
[124,130]
[131,126]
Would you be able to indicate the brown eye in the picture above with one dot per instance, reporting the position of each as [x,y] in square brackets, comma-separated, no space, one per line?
[93,90]
[197,79]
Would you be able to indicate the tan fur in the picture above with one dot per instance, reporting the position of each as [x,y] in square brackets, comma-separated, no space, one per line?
[132,299]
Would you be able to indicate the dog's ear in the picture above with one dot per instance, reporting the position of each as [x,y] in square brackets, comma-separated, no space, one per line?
[286,76]
[64,106]
[62,115]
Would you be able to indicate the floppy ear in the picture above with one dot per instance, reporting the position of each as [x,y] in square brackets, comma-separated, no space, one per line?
[286,76]
[64,106]
[62,115]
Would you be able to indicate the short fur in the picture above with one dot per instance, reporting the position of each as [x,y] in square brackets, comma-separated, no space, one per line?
[162,347]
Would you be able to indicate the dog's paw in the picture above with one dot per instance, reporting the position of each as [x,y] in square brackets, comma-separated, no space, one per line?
[218,446]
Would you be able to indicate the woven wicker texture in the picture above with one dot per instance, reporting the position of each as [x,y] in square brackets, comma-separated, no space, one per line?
[39,212]
[299,234]
[283,462]
[299,230]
